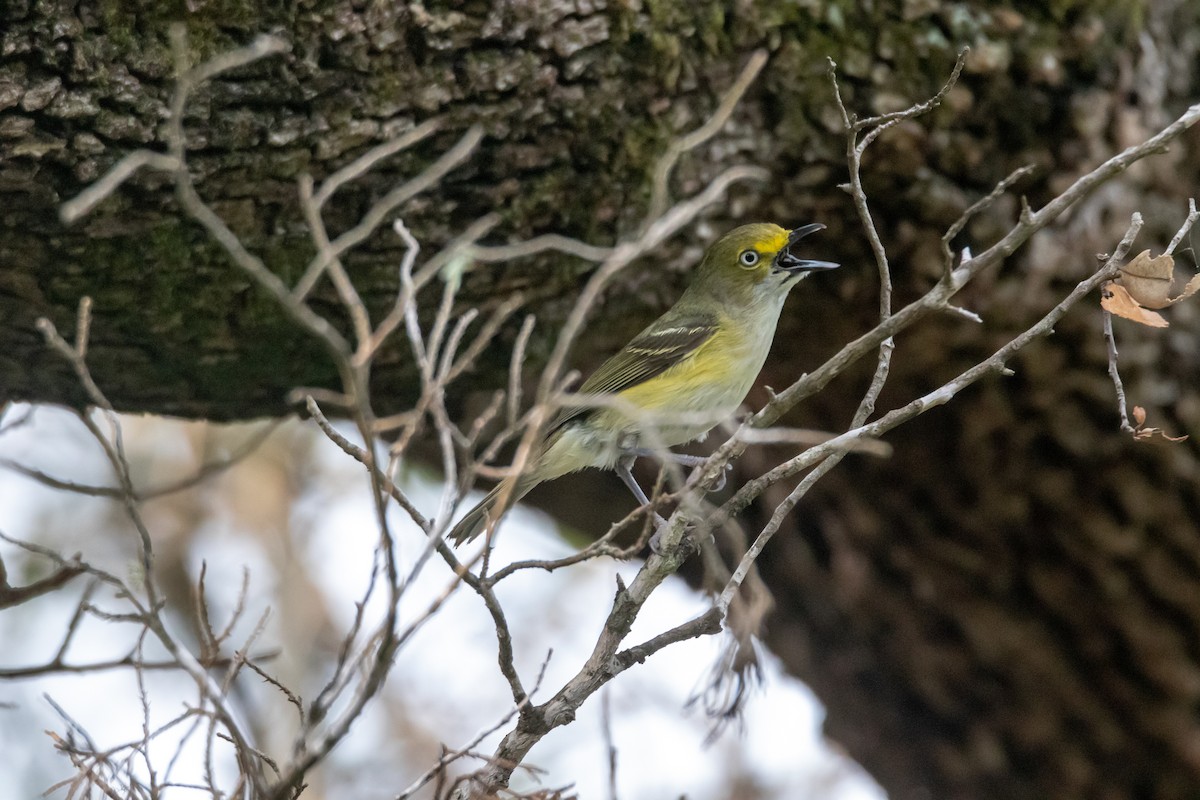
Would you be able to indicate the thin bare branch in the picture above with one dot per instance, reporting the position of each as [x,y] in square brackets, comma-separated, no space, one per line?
[15,595]
[1111,341]
[367,161]
[262,46]
[882,122]
[125,662]
[361,456]
[975,208]
[548,242]
[1187,225]
[206,471]
[86,201]
[461,248]
[609,742]
[516,366]
[327,261]
[660,188]
[874,126]
[380,211]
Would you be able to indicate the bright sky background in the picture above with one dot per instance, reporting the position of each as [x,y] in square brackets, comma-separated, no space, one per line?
[445,680]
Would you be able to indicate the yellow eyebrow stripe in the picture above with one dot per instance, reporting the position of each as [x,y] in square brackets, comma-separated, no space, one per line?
[772,244]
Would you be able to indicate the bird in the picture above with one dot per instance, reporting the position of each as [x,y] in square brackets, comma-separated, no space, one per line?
[683,374]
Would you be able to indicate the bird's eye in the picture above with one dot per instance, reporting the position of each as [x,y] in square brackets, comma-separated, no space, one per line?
[748,258]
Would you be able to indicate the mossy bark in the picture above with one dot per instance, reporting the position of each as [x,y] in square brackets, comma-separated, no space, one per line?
[1006,608]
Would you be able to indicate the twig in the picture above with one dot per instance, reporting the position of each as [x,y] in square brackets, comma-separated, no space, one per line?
[548,242]
[1111,341]
[86,201]
[706,624]
[882,122]
[15,595]
[979,205]
[125,662]
[808,437]
[461,247]
[203,473]
[1187,225]
[602,666]
[451,756]
[198,210]
[367,161]
[660,188]
[360,455]
[600,547]
[874,126]
[380,211]
[327,261]
[515,366]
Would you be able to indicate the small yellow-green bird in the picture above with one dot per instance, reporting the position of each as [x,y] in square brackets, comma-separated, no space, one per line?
[686,372]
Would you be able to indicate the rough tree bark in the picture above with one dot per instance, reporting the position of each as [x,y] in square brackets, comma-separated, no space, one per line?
[1009,607]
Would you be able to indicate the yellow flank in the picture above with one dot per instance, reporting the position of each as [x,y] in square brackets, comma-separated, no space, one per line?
[707,367]
[700,391]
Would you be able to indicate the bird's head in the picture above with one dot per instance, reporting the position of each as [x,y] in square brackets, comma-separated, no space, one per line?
[760,256]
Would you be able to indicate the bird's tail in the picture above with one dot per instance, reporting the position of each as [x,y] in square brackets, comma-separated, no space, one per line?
[477,519]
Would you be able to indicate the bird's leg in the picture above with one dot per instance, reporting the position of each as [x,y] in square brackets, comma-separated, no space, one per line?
[685,460]
[629,454]
[623,471]
[627,478]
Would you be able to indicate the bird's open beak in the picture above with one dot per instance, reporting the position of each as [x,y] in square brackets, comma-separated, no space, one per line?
[785,261]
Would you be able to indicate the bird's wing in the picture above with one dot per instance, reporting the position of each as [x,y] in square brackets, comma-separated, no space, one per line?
[652,352]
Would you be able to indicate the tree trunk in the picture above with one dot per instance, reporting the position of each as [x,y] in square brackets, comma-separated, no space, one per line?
[1008,607]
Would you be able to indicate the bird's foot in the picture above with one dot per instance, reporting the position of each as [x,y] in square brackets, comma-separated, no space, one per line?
[685,546]
[721,478]
[660,525]
[684,460]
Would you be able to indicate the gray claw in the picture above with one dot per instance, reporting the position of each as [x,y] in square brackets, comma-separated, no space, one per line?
[721,478]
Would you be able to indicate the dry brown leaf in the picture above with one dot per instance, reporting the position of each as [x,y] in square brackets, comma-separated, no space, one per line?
[1141,433]
[1189,288]
[1115,299]
[1149,280]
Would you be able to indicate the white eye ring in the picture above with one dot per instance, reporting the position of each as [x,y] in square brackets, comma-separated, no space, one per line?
[749,258]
